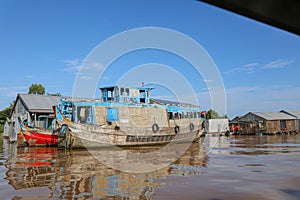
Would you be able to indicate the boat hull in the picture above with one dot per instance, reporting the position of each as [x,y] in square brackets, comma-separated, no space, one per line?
[131,126]
[82,136]
[40,139]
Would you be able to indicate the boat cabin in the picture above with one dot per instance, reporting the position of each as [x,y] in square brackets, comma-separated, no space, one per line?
[118,104]
[126,95]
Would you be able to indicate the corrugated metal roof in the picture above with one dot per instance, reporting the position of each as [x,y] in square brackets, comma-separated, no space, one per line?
[39,103]
[44,103]
[274,115]
[295,113]
[167,102]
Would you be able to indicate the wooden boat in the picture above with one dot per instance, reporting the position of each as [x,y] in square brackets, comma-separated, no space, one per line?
[41,139]
[127,116]
[34,136]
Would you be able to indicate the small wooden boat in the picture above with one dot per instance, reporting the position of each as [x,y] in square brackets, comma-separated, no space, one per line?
[34,136]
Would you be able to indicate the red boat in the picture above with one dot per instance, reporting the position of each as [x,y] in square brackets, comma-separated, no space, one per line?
[35,136]
[40,139]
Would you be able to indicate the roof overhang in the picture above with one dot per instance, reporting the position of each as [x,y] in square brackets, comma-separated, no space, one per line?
[282,14]
[48,111]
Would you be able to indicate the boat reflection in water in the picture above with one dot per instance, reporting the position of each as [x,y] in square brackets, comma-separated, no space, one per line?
[77,174]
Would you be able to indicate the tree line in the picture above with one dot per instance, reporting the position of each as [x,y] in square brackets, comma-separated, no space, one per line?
[212,114]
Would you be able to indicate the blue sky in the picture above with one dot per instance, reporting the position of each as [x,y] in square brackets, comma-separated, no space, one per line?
[46,41]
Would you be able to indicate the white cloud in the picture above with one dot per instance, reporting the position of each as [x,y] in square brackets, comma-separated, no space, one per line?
[281,63]
[13,91]
[13,88]
[106,77]
[253,67]
[241,100]
[72,65]
[29,76]
[208,81]
[91,71]
[92,66]
[248,68]
[84,70]
[85,77]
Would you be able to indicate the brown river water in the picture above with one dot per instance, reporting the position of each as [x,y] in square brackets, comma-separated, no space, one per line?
[238,167]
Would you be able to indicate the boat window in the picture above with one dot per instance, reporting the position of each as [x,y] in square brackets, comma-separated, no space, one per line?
[203,114]
[84,114]
[180,115]
[195,115]
[170,115]
[142,96]
[176,115]
[110,95]
[186,115]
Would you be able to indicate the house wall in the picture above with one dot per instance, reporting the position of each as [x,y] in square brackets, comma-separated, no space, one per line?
[251,127]
[251,124]
[294,115]
[6,129]
[18,111]
[274,126]
[49,123]
[291,125]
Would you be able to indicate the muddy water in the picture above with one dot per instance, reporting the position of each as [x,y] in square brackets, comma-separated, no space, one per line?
[239,167]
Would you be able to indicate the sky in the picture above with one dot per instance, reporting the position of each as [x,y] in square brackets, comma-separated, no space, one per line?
[47,41]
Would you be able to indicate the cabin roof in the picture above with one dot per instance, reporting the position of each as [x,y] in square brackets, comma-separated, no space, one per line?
[237,118]
[43,103]
[273,115]
[39,103]
[176,103]
[119,86]
[295,113]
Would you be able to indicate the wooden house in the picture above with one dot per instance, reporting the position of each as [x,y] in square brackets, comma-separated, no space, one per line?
[294,113]
[234,126]
[33,108]
[267,123]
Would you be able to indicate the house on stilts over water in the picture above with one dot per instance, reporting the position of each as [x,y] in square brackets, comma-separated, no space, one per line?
[34,109]
[267,123]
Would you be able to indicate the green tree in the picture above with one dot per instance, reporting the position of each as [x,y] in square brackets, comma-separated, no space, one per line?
[36,89]
[211,114]
[3,115]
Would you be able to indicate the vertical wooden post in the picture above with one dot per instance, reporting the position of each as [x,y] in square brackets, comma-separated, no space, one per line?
[34,119]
